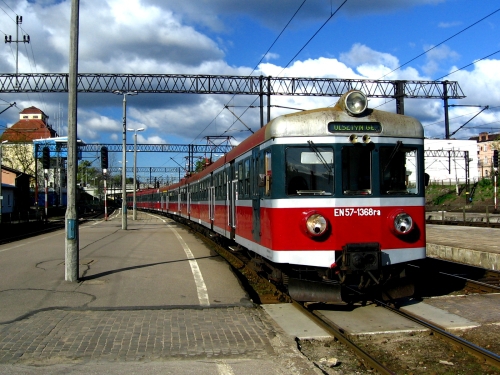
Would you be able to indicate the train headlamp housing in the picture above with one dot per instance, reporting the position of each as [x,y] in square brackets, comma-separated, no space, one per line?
[355,102]
[315,225]
[401,223]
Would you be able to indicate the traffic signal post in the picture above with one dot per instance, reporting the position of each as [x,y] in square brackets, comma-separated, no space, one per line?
[46,167]
[104,166]
[495,177]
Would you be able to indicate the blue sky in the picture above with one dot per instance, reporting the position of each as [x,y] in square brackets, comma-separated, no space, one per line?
[364,39]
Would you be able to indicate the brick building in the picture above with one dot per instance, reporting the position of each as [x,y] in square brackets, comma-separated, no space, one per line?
[486,143]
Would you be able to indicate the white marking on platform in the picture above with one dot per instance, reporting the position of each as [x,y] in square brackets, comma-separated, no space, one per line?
[198,278]
[439,317]
[294,322]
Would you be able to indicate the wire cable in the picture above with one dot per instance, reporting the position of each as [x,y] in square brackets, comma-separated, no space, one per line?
[300,50]
[256,66]
[314,35]
[444,41]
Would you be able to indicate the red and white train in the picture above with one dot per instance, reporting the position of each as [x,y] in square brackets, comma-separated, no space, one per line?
[329,202]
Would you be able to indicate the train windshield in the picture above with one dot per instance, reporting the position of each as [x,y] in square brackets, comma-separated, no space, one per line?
[309,170]
[356,170]
[398,169]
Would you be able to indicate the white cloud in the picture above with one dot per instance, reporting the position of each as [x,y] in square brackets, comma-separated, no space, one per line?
[361,55]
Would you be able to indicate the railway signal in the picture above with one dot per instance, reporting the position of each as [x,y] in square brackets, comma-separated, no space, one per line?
[104,157]
[495,158]
[46,158]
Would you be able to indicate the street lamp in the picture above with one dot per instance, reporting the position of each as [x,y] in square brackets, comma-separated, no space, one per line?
[1,197]
[134,206]
[124,157]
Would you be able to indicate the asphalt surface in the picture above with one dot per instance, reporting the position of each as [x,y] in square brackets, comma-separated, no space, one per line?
[152,299]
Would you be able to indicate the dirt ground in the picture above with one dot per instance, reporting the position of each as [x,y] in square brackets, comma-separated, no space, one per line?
[415,353]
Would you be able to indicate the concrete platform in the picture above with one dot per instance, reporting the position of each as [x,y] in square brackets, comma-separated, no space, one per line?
[153,294]
[439,317]
[370,320]
[295,323]
[478,247]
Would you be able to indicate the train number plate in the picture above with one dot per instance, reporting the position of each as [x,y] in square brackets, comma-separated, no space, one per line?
[356,211]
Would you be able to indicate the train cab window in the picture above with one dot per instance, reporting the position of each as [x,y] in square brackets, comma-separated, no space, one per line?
[309,170]
[398,170]
[356,170]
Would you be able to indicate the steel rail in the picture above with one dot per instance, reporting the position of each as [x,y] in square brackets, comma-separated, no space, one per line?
[338,333]
[488,357]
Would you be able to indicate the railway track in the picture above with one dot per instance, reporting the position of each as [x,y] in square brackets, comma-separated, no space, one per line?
[22,231]
[462,278]
[374,360]
[265,292]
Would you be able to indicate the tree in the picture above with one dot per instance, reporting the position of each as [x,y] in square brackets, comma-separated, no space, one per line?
[87,173]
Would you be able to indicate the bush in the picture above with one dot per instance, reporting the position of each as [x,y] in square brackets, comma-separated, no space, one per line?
[485,182]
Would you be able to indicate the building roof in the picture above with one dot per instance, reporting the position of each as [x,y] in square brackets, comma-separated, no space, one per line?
[485,137]
[32,110]
[28,129]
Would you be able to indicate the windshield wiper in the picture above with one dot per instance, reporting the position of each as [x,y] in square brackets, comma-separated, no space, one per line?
[393,153]
[320,157]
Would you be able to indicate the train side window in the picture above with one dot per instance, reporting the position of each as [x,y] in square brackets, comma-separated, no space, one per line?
[398,170]
[309,170]
[356,170]
[246,182]
[268,171]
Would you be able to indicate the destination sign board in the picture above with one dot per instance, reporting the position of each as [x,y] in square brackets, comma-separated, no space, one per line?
[354,127]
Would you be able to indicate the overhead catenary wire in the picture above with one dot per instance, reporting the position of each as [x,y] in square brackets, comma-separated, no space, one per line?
[444,41]
[332,14]
[256,66]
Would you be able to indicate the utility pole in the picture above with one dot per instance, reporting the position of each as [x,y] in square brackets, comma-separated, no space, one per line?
[71,254]
[26,39]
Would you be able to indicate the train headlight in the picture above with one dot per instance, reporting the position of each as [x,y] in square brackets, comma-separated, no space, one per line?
[402,223]
[355,102]
[316,225]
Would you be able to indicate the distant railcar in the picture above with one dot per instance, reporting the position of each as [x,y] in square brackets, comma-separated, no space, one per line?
[329,201]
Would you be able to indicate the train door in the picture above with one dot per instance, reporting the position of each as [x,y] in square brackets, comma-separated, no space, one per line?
[211,205]
[232,192]
[254,176]
[161,202]
[179,201]
[188,213]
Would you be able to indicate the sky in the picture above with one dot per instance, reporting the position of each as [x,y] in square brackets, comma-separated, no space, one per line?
[456,40]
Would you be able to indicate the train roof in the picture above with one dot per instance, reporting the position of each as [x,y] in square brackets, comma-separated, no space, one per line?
[319,122]
[315,123]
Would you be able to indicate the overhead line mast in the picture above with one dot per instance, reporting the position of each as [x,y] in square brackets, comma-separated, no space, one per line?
[26,39]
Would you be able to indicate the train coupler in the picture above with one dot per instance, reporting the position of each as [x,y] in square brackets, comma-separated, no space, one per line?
[361,257]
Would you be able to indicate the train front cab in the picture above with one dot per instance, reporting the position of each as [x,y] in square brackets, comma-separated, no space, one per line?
[345,207]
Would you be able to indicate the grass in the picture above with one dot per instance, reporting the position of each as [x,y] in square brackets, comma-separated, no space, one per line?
[445,197]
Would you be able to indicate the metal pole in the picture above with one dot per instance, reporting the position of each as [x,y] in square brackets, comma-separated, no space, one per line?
[124,165]
[1,172]
[46,175]
[71,253]
[446,118]
[105,198]
[495,188]
[134,215]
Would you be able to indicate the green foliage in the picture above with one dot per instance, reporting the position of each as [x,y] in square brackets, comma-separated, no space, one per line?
[485,182]
[444,198]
